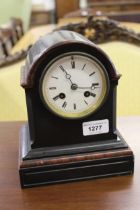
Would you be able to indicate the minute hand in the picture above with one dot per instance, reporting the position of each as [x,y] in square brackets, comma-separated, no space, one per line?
[68,76]
[92,87]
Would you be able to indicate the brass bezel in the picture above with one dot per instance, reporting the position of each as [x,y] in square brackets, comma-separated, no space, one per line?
[91,109]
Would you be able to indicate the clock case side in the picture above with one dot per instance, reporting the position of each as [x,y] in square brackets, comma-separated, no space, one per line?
[40,165]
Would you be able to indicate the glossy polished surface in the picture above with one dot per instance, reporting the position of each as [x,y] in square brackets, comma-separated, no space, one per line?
[116,193]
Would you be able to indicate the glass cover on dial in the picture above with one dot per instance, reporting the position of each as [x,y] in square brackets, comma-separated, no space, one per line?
[74,85]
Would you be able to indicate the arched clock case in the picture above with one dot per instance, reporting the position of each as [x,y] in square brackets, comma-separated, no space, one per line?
[70,87]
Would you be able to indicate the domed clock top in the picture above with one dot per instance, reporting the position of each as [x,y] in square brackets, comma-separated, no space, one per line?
[57,43]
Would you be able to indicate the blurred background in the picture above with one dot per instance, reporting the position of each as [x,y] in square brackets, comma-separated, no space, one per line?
[40,12]
[22,22]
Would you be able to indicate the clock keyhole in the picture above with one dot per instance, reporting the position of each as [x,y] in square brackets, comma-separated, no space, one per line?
[62,95]
[86,93]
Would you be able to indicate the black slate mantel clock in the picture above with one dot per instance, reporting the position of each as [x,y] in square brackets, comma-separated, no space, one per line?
[70,86]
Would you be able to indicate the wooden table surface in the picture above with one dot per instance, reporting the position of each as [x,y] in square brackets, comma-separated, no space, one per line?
[116,193]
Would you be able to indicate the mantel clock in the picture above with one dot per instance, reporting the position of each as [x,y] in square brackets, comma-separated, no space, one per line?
[70,87]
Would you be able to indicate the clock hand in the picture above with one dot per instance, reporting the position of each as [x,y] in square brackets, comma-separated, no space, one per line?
[83,87]
[92,87]
[68,76]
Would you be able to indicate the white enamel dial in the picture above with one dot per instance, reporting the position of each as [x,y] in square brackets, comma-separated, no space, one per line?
[73,85]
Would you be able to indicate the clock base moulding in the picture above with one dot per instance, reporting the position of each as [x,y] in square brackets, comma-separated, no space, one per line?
[58,167]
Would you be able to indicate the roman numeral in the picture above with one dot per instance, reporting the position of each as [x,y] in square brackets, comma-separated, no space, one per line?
[52,88]
[92,73]
[64,104]
[93,94]
[84,66]
[94,84]
[54,77]
[74,106]
[56,97]
[86,102]
[72,62]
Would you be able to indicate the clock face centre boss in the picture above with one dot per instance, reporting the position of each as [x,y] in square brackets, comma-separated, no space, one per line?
[74,85]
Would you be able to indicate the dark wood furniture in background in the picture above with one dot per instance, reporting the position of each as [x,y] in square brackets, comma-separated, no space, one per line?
[42,17]
[121,10]
[114,5]
[117,193]
[8,37]
[17,25]
[3,49]
[10,34]
[98,30]
[64,6]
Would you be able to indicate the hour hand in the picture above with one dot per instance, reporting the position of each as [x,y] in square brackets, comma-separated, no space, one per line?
[83,87]
[92,87]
